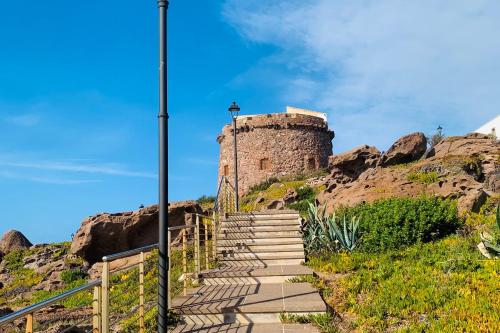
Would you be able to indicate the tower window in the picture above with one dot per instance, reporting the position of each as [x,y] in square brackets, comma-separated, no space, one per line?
[264,164]
[311,163]
[226,170]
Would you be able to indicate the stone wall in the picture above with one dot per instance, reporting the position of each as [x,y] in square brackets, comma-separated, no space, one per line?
[274,145]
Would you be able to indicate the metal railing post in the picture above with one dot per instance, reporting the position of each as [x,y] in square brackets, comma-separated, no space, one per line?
[105,297]
[29,323]
[184,262]
[169,294]
[197,247]
[96,310]
[205,225]
[141,293]
[214,236]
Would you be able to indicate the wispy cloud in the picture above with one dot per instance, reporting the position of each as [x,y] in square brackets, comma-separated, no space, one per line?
[45,180]
[381,67]
[104,169]
[24,120]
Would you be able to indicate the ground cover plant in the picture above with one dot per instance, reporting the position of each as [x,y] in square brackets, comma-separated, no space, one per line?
[417,269]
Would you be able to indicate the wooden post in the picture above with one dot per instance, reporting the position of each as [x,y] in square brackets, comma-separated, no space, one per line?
[169,295]
[96,310]
[29,323]
[105,297]
[184,260]
[141,294]
[205,225]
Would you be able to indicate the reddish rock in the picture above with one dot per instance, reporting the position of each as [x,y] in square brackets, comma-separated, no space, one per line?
[105,234]
[354,162]
[13,240]
[406,149]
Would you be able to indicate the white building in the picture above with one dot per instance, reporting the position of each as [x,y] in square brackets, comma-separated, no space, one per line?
[491,127]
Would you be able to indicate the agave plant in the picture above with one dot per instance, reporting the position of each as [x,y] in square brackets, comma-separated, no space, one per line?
[347,237]
[490,247]
[322,232]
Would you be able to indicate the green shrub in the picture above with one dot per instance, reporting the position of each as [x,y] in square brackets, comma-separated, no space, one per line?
[397,222]
[72,275]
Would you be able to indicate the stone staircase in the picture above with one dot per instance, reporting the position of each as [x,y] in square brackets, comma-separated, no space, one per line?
[258,254]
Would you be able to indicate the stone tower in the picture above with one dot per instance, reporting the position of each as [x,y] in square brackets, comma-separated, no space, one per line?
[275,145]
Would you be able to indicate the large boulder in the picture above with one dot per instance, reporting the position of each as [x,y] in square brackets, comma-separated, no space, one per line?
[13,240]
[406,149]
[105,233]
[354,162]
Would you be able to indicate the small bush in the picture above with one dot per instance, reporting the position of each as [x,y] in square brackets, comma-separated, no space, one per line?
[305,195]
[423,177]
[14,260]
[263,185]
[206,199]
[397,222]
[72,275]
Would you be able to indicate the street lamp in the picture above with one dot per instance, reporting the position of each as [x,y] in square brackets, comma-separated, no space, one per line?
[163,174]
[234,109]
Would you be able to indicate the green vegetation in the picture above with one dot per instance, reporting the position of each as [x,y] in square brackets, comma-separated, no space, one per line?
[206,201]
[264,185]
[398,222]
[491,244]
[321,232]
[72,275]
[422,177]
[324,322]
[305,195]
[441,286]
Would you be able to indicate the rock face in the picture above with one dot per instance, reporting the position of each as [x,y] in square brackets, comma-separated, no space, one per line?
[407,149]
[464,168]
[13,240]
[106,233]
[354,162]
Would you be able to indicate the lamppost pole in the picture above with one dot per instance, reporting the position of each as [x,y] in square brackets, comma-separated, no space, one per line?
[234,109]
[163,173]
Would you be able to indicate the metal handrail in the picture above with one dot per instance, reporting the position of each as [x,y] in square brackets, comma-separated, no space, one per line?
[129,253]
[38,306]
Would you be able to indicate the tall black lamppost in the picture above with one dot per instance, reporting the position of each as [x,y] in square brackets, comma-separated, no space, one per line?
[234,109]
[163,173]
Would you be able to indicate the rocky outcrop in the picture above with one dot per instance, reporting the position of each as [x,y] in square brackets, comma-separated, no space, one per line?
[465,168]
[106,233]
[407,149]
[353,162]
[13,240]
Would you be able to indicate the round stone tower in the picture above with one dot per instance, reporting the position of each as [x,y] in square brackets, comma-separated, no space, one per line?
[275,145]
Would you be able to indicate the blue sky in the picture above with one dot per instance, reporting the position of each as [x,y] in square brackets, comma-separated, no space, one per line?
[78,89]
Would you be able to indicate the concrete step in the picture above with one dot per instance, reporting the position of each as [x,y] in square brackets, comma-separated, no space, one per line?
[259,304]
[259,228]
[262,262]
[251,275]
[263,255]
[259,234]
[246,328]
[260,241]
[262,248]
[269,223]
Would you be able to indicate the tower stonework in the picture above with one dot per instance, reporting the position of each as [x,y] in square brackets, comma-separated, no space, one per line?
[275,145]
